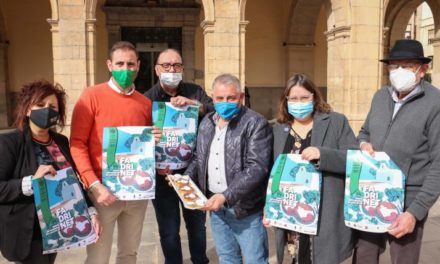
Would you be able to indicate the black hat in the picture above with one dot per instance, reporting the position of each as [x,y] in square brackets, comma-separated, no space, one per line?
[407,49]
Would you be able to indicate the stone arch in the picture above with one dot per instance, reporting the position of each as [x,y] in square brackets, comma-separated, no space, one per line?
[54,7]
[242,9]
[300,46]
[90,25]
[397,15]
[90,8]
[209,10]
[303,15]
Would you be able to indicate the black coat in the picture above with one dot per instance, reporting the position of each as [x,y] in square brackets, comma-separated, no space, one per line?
[248,150]
[17,211]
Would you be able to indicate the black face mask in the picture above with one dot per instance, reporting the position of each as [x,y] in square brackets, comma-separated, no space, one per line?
[44,117]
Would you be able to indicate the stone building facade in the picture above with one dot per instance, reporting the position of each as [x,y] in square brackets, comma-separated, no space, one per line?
[337,42]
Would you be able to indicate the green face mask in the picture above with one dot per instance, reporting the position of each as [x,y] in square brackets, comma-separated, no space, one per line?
[124,78]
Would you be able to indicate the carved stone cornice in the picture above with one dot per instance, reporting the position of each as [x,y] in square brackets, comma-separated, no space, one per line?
[207,26]
[338,32]
[54,24]
[243,24]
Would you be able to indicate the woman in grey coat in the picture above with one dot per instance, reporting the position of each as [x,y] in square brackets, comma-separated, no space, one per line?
[309,127]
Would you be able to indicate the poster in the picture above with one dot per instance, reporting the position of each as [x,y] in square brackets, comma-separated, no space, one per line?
[293,195]
[62,212]
[128,162]
[179,132]
[374,191]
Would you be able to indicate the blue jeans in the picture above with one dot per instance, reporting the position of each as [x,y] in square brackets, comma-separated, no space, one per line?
[166,205]
[235,238]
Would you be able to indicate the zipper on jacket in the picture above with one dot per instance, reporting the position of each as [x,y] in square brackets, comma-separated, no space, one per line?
[395,116]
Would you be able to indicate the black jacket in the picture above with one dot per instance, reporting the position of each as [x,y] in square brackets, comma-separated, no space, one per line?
[17,211]
[248,152]
[188,90]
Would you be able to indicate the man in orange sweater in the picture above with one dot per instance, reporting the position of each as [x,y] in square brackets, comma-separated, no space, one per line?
[111,104]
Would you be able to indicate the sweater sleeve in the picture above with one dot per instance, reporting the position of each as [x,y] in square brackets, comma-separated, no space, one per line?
[430,191]
[82,123]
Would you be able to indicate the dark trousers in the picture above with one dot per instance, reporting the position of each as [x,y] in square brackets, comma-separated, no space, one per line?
[167,207]
[36,255]
[405,250]
[304,253]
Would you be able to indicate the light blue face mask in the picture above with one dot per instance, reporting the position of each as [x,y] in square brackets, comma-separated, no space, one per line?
[226,110]
[300,110]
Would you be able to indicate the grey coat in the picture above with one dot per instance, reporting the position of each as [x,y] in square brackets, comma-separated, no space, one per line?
[332,135]
[412,140]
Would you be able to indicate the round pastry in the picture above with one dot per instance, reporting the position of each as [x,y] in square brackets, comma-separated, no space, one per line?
[186,189]
[190,196]
[182,182]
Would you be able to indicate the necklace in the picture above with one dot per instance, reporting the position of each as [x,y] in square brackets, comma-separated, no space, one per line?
[298,140]
[43,143]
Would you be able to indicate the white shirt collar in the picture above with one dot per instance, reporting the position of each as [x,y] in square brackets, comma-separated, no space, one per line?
[413,92]
[115,87]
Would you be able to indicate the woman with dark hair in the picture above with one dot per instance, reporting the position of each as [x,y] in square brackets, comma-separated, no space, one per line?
[33,150]
[309,127]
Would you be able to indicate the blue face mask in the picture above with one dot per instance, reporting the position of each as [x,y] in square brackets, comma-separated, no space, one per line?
[226,110]
[300,110]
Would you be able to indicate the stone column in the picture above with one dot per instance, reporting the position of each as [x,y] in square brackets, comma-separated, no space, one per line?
[242,73]
[338,67]
[223,42]
[73,41]
[354,70]
[436,62]
[188,54]
[208,32]
[91,50]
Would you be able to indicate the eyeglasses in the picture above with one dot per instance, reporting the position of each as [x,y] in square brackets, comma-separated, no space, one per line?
[408,66]
[302,99]
[176,66]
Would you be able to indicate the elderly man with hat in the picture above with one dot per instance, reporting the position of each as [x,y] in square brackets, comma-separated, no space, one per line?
[404,122]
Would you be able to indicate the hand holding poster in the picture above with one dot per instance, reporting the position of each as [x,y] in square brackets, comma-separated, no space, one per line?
[62,212]
[128,162]
[374,191]
[293,195]
[179,131]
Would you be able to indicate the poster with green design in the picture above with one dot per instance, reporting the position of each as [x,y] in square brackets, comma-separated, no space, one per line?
[293,195]
[374,191]
[128,162]
[62,212]
[179,134]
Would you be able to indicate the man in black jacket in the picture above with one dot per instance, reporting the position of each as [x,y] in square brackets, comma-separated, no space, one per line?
[171,88]
[231,166]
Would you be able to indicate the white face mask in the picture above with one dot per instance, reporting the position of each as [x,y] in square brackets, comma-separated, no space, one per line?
[403,80]
[171,79]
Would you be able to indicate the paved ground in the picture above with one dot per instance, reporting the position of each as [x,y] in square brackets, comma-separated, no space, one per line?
[150,251]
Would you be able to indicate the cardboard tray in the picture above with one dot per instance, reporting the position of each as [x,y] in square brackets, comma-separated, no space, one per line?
[188,191]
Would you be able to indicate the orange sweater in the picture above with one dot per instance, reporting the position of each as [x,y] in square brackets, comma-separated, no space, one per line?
[100,106]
